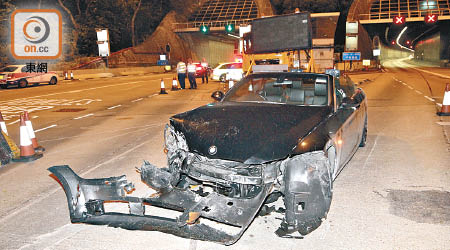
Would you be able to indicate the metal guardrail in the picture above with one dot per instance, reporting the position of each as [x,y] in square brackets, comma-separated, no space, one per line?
[193,25]
[407,14]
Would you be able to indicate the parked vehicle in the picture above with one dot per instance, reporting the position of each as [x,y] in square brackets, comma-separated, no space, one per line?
[20,76]
[234,70]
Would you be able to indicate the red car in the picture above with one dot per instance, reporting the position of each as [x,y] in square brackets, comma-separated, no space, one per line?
[19,75]
[200,70]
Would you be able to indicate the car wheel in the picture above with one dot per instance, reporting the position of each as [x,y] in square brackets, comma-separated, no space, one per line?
[223,78]
[23,83]
[53,80]
[364,135]
[4,86]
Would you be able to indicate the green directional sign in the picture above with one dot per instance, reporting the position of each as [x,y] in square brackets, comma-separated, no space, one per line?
[229,28]
[204,29]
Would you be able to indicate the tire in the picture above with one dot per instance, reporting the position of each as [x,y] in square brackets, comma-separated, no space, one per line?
[23,83]
[4,86]
[364,135]
[53,81]
[222,78]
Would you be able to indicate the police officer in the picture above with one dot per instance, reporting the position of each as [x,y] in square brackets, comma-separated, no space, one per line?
[181,70]
[191,74]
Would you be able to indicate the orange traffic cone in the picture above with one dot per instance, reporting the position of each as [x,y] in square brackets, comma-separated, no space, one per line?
[174,84]
[445,110]
[30,129]
[27,152]
[3,125]
[163,88]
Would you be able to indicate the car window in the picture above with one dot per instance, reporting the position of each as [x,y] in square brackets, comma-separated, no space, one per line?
[295,89]
[236,66]
[8,69]
[225,66]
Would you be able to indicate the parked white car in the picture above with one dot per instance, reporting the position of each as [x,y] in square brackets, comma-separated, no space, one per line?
[21,76]
[233,70]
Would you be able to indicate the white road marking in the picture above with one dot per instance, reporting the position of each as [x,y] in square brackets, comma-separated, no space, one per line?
[34,117]
[443,123]
[113,107]
[404,83]
[137,100]
[51,126]
[429,98]
[16,121]
[153,95]
[84,116]
[418,92]
[410,87]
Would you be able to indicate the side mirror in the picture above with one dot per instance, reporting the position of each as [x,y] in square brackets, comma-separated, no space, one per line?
[218,95]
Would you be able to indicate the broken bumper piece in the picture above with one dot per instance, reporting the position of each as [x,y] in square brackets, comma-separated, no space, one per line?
[86,198]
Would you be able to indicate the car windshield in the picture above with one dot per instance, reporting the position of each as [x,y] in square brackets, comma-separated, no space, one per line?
[284,88]
[8,69]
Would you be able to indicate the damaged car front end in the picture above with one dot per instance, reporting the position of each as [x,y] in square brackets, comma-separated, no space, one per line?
[226,168]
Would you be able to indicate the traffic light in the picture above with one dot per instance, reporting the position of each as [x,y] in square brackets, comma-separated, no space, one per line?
[229,28]
[204,29]
[399,20]
[431,18]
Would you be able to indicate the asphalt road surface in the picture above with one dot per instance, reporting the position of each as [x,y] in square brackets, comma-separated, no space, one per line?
[393,194]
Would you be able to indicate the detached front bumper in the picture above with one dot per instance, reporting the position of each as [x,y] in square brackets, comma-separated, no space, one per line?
[86,198]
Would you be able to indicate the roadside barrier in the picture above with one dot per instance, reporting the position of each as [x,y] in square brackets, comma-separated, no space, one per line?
[445,110]
[31,133]
[27,152]
[2,124]
[174,84]
[163,88]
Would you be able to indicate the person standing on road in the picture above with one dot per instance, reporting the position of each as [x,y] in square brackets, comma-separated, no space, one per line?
[191,74]
[205,72]
[181,70]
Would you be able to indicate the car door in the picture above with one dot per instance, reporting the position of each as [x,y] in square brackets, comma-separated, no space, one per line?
[31,77]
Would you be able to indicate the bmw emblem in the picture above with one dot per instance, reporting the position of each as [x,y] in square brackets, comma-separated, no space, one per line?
[212,150]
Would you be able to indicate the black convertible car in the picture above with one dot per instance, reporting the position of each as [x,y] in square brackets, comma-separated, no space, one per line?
[273,135]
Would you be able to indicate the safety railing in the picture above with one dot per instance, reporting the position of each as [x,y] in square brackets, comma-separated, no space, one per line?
[192,25]
[407,14]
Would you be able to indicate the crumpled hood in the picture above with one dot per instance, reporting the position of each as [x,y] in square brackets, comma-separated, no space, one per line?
[252,133]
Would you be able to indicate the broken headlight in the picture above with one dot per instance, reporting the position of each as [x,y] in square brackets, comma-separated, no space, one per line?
[174,140]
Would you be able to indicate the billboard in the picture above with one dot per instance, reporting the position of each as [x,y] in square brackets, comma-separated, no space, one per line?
[281,33]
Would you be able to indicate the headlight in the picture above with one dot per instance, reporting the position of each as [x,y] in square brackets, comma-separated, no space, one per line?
[174,140]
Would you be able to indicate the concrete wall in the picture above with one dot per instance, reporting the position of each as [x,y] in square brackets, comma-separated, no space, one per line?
[213,49]
[388,53]
[429,49]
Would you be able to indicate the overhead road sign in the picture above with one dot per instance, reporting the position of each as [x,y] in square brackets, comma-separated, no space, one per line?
[351,56]
[431,18]
[281,33]
[399,20]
